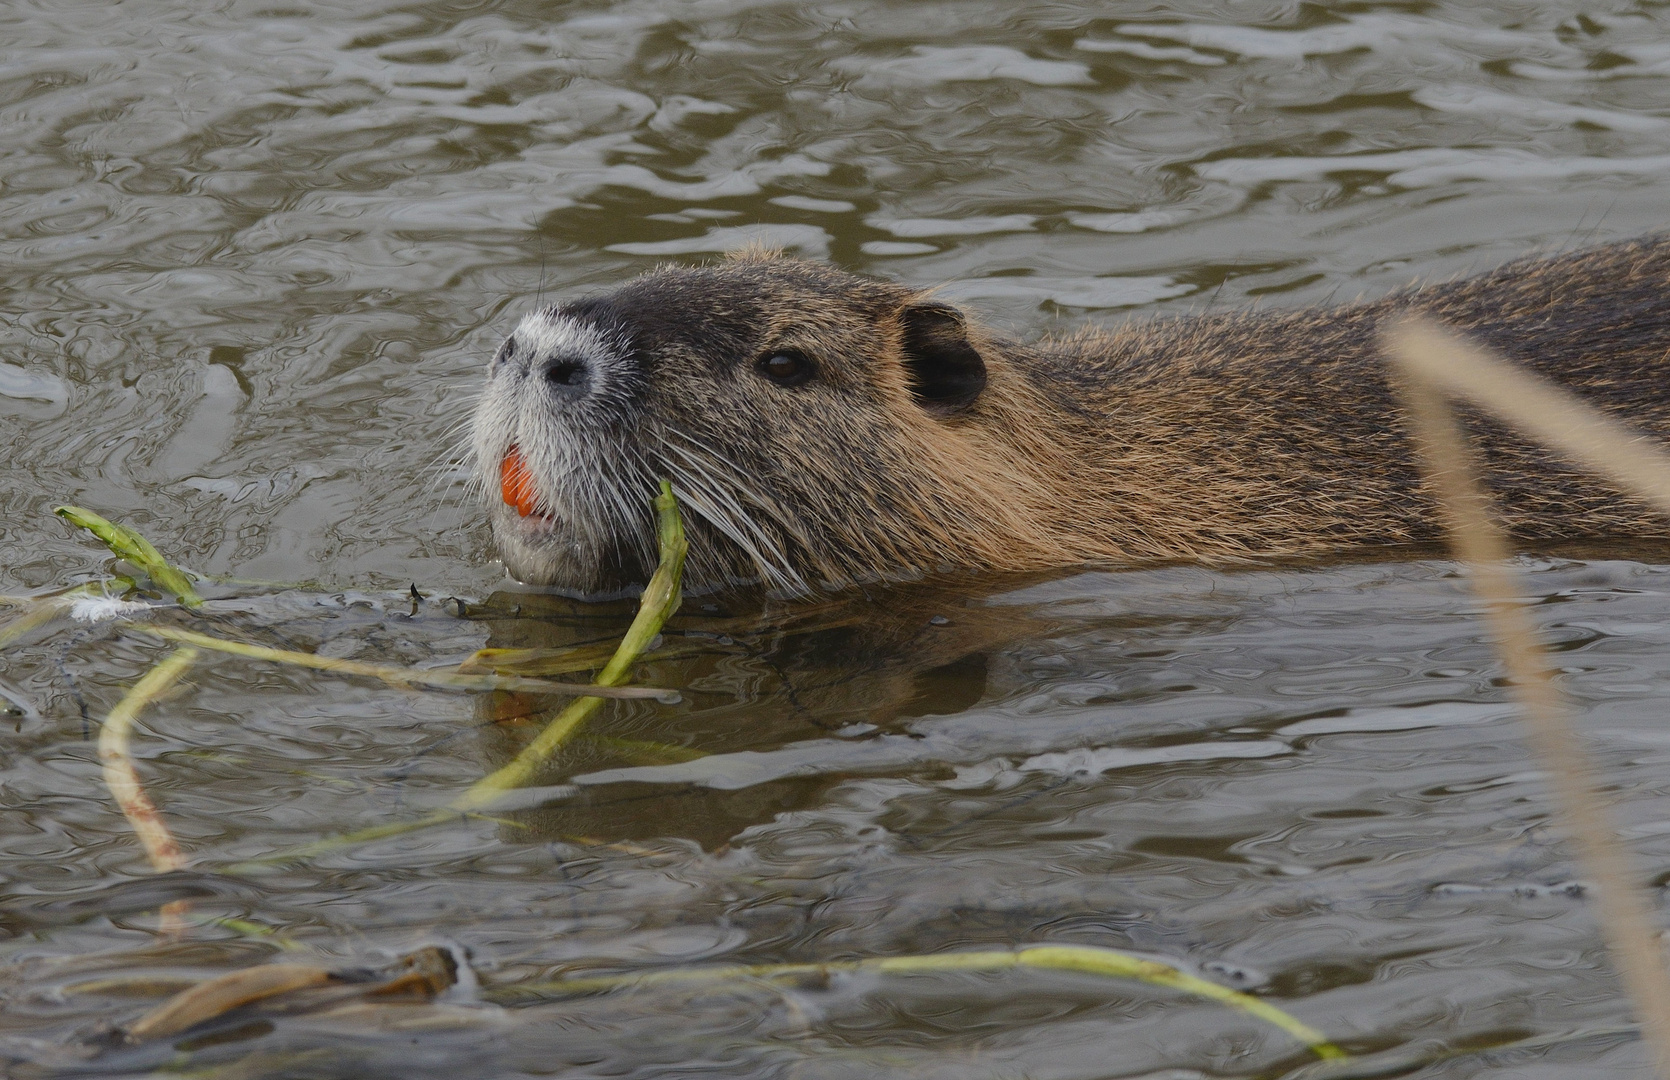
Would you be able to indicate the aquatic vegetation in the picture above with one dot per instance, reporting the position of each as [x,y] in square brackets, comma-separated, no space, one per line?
[206,1002]
[126,543]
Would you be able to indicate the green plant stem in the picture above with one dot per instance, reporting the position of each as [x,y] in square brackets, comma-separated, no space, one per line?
[660,599]
[392,674]
[1108,963]
[126,543]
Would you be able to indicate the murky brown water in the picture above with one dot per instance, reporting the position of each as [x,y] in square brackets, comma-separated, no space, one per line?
[254,257]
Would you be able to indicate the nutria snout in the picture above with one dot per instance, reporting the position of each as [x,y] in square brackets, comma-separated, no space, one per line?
[822,428]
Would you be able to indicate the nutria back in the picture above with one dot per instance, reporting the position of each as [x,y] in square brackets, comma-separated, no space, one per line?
[822,428]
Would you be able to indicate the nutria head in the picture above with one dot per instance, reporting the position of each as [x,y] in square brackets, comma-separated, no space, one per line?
[818,428]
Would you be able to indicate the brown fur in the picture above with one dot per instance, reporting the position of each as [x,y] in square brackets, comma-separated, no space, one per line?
[1216,438]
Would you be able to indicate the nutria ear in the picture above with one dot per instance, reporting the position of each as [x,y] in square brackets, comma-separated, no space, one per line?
[946,374]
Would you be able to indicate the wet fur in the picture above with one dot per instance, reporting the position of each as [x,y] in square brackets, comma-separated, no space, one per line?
[1214,438]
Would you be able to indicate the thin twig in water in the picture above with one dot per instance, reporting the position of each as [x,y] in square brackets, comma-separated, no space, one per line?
[1431,361]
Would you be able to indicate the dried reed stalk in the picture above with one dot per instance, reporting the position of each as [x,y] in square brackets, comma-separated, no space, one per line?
[1445,362]
[1431,363]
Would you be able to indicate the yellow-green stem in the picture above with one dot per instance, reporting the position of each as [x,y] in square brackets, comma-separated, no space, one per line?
[1108,963]
[390,673]
[126,543]
[660,599]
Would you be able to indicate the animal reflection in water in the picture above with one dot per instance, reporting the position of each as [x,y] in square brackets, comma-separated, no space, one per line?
[859,667]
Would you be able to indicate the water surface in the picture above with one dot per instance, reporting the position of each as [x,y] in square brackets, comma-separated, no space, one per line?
[253,258]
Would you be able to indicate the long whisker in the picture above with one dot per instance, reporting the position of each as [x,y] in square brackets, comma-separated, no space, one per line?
[736,480]
[714,499]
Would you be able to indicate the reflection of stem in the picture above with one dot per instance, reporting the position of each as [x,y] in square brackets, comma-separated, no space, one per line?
[173,919]
[396,675]
[1091,961]
[1431,359]
[119,774]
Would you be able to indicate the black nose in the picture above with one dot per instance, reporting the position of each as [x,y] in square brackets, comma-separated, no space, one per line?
[568,376]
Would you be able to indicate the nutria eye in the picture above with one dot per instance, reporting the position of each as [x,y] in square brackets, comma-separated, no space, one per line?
[787,368]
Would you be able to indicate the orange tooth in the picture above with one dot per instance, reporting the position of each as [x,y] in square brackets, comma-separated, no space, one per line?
[516,483]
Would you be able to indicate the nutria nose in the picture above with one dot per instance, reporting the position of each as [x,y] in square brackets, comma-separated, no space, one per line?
[568,376]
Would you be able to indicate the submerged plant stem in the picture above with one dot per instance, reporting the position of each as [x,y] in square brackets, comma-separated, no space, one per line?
[1406,1062]
[359,836]
[1429,360]
[34,616]
[1108,963]
[123,779]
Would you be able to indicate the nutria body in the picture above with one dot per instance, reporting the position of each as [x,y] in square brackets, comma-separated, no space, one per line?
[822,428]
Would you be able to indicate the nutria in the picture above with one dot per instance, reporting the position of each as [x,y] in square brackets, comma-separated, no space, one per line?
[822,428]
